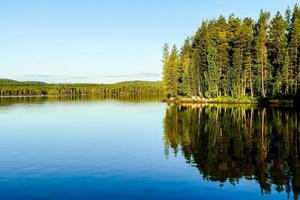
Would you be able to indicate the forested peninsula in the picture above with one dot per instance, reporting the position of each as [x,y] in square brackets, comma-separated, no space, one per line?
[237,58]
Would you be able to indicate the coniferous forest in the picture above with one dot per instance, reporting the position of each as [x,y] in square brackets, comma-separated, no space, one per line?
[238,58]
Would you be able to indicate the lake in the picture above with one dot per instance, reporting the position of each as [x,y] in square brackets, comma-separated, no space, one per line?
[139,149]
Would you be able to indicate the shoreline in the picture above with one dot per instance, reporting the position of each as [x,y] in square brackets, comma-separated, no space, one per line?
[254,101]
[188,101]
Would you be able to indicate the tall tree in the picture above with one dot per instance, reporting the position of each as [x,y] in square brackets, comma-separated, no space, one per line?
[195,71]
[174,75]
[219,39]
[185,59]
[262,67]
[198,59]
[247,41]
[286,76]
[212,75]
[236,73]
[294,45]
[166,69]
[242,48]
[277,48]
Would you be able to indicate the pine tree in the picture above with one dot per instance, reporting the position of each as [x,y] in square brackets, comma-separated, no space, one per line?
[233,74]
[195,71]
[185,59]
[166,69]
[198,60]
[294,44]
[242,43]
[247,41]
[174,75]
[212,75]
[277,48]
[262,67]
[219,38]
[286,75]
[236,73]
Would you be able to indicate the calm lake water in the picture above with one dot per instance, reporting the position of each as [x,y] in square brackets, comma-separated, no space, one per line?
[97,149]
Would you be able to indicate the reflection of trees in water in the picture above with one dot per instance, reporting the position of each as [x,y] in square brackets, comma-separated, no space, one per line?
[229,143]
[10,101]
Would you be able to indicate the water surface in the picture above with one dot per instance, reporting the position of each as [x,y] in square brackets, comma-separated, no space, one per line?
[91,149]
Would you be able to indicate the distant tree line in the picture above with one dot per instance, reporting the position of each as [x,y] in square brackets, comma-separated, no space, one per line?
[132,88]
[237,57]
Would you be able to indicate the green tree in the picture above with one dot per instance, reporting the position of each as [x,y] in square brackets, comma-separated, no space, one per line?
[262,67]
[294,45]
[185,76]
[170,71]
[218,38]
[198,59]
[173,64]
[247,41]
[212,75]
[223,55]
[236,73]
[286,75]
[166,69]
[277,48]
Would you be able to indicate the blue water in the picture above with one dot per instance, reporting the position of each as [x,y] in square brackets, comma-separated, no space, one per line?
[100,150]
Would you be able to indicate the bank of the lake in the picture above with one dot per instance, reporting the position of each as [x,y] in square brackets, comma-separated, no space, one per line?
[230,100]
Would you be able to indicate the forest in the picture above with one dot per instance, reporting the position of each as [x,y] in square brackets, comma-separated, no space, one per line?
[123,89]
[237,57]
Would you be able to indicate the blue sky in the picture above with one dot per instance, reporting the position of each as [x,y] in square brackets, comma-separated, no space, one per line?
[103,41]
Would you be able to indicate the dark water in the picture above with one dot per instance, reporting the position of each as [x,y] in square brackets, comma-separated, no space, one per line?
[109,149]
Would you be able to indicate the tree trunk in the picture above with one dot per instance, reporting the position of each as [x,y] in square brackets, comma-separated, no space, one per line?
[251,84]
[263,93]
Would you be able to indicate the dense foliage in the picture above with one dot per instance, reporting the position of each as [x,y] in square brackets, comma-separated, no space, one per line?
[237,57]
[133,88]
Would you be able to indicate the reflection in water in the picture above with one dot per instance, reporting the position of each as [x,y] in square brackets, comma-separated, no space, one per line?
[7,101]
[230,143]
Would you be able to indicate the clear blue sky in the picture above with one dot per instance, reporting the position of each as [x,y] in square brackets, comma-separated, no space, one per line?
[103,41]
